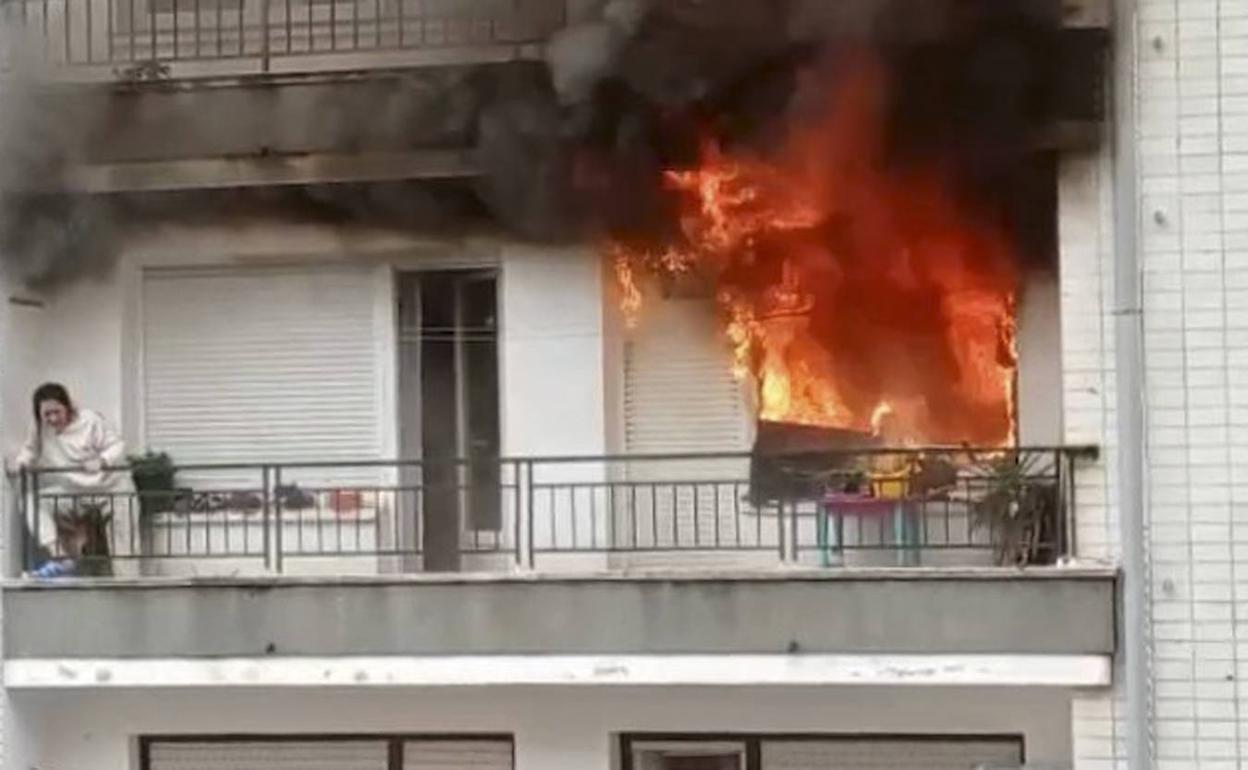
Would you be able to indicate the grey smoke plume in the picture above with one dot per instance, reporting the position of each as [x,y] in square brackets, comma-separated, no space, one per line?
[45,237]
[584,53]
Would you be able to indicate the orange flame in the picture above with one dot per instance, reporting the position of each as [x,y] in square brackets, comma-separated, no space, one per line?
[850,292]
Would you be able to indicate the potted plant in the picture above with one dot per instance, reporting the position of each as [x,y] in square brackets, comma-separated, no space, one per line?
[1019,508]
[154,476]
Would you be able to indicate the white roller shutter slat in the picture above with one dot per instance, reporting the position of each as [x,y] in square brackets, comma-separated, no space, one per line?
[679,397]
[893,754]
[679,392]
[261,364]
[268,755]
[457,755]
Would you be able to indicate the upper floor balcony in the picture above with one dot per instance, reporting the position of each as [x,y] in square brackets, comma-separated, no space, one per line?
[140,40]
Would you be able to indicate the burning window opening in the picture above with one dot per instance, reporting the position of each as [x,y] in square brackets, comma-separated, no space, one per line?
[849,291]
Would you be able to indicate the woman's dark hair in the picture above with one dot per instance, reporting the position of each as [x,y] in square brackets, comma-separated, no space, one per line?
[50,391]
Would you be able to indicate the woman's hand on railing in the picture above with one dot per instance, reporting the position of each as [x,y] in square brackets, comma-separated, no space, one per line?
[93,465]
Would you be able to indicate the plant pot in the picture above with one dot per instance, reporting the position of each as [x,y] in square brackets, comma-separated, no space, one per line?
[156,493]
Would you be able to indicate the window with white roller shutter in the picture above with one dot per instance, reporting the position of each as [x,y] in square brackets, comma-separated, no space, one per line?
[457,755]
[268,755]
[381,753]
[254,365]
[891,754]
[680,396]
[679,391]
[759,752]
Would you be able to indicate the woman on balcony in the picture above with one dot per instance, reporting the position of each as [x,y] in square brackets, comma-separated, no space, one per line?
[71,499]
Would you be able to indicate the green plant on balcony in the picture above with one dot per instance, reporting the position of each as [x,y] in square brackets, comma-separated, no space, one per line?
[154,476]
[1018,505]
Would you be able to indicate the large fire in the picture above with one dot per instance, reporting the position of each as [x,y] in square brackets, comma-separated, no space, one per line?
[850,292]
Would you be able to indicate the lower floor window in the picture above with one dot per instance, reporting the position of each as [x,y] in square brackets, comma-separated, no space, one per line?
[821,752]
[310,752]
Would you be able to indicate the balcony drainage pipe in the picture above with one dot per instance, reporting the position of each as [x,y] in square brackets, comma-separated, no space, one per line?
[1136,640]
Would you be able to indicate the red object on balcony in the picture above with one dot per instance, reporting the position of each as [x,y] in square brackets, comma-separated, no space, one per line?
[344,501]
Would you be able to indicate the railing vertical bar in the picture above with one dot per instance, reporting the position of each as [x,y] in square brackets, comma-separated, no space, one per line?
[333,25]
[359,517]
[795,533]
[134,524]
[675,509]
[1067,461]
[634,524]
[265,43]
[572,489]
[133,22]
[399,4]
[654,517]
[517,515]
[278,524]
[530,545]
[781,541]
[266,484]
[151,23]
[109,31]
[612,505]
[697,514]
[90,27]
[593,519]
[67,25]
[225,513]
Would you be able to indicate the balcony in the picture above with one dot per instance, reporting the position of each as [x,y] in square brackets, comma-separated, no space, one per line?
[914,508]
[138,40]
[873,553]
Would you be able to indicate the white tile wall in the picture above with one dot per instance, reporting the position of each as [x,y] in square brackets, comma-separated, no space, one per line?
[1193,177]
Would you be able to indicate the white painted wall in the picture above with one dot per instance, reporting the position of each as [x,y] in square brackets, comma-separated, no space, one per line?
[553,377]
[1040,360]
[552,371]
[555,728]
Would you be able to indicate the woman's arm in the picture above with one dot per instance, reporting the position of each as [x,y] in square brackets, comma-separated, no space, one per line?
[110,447]
[29,452]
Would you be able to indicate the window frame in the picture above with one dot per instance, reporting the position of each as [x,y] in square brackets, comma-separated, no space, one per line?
[753,741]
[394,741]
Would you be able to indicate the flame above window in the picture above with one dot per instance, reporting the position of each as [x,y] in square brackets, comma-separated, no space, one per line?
[854,294]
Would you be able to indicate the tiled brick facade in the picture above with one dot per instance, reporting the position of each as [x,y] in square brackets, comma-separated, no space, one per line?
[1192,130]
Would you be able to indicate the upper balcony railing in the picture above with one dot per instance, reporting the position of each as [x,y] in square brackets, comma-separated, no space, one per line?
[885,508]
[147,39]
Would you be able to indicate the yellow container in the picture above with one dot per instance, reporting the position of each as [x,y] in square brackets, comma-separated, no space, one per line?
[890,487]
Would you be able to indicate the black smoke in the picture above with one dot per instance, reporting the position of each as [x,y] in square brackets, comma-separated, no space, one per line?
[575,147]
[974,86]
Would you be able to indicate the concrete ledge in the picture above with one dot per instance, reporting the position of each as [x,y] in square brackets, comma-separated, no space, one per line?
[990,612]
[1095,572]
[564,670]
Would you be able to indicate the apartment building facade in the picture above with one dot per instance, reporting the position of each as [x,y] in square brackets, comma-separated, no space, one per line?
[614,592]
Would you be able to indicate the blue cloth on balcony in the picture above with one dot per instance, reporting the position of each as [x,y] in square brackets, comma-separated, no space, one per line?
[54,568]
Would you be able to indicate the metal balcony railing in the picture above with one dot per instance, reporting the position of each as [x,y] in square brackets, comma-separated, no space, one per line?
[895,508]
[141,38]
